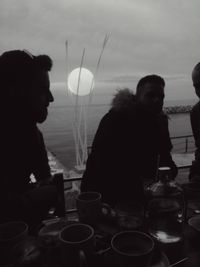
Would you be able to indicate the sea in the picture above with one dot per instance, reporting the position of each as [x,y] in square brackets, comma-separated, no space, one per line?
[58,133]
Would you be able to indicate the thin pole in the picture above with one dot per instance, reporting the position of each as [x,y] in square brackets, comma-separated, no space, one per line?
[67,63]
[79,77]
[85,141]
[69,94]
[77,120]
[97,66]
[91,87]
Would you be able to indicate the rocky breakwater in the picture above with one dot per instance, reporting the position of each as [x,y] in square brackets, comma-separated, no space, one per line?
[177,109]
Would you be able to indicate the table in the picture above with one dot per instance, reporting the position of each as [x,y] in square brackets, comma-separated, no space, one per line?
[188,248]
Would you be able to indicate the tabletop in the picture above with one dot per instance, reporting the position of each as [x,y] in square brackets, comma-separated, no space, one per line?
[185,253]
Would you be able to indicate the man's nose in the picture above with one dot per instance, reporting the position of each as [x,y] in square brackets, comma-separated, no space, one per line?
[50,97]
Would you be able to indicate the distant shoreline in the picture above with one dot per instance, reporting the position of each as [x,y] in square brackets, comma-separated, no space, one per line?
[177,109]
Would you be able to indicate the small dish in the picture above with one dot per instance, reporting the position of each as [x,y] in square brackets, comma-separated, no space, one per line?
[195,222]
[161,261]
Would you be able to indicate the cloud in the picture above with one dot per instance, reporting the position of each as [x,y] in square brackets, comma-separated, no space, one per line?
[146,36]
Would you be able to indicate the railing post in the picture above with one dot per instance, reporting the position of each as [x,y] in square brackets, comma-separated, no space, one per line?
[58,181]
[186,145]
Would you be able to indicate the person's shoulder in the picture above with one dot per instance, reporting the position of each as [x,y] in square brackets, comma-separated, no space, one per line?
[195,111]
[124,100]
[122,107]
[111,116]
[196,107]
[106,119]
[116,118]
[163,117]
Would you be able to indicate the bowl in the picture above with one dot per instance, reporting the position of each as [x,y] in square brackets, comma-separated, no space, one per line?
[11,233]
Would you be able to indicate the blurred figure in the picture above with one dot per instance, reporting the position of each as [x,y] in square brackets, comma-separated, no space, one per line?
[132,140]
[25,97]
[195,124]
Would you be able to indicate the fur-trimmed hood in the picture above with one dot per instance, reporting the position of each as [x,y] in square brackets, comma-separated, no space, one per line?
[124,99]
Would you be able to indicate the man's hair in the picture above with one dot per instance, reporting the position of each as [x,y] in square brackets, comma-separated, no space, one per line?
[196,67]
[18,69]
[149,79]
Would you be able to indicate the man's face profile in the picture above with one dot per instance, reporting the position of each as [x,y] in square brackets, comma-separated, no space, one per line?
[40,96]
[196,81]
[151,97]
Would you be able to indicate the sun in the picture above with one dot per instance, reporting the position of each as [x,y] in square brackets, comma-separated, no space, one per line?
[81,86]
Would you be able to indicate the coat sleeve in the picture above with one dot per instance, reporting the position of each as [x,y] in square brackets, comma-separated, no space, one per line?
[99,156]
[111,167]
[195,125]
[166,147]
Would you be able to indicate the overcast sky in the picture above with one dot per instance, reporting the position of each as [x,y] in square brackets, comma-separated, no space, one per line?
[146,36]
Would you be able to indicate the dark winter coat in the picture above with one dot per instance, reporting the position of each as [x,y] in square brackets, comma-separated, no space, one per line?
[125,151]
[195,124]
[23,152]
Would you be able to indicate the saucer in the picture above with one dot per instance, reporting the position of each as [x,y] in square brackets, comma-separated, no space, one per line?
[162,261]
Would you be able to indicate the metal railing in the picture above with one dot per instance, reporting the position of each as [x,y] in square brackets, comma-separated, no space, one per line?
[76,179]
[186,140]
[185,146]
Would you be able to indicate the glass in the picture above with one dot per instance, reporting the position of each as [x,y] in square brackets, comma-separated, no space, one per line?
[165,208]
[129,215]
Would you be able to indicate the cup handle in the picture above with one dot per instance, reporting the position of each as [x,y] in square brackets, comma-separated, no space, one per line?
[82,258]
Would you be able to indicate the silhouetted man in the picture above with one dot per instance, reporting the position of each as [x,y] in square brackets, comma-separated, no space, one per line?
[195,124]
[132,140]
[25,97]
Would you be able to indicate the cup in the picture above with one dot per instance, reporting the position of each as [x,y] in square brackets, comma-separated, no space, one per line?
[90,208]
[130,215]
[77,243]
[132,248]
[11,233]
